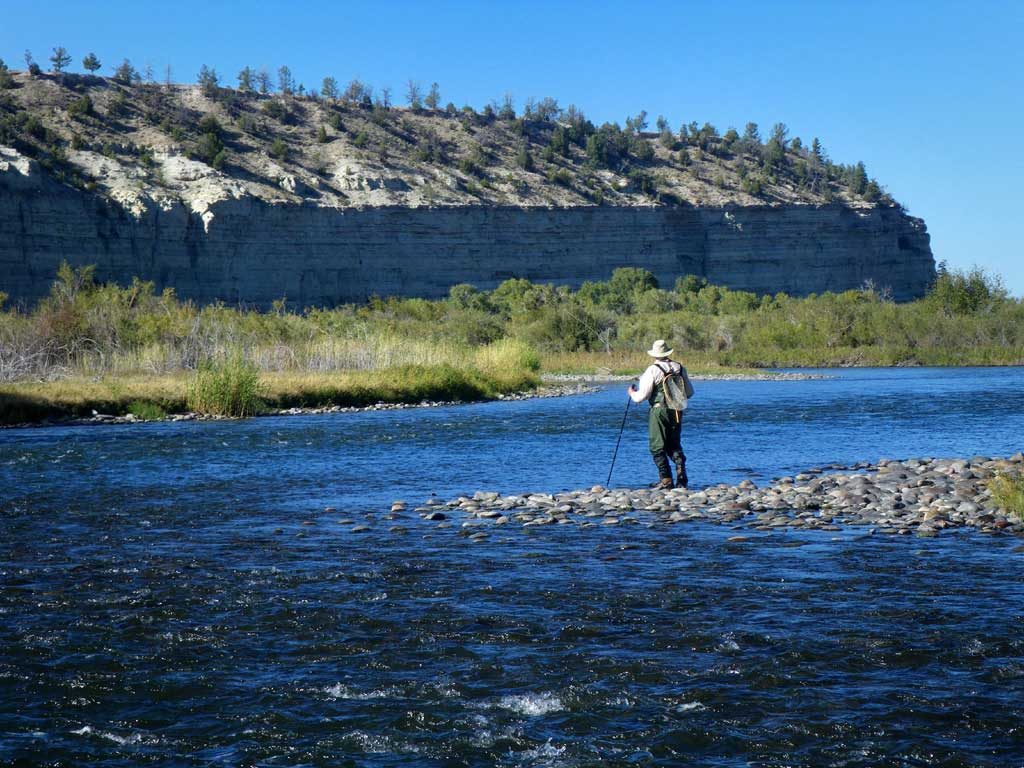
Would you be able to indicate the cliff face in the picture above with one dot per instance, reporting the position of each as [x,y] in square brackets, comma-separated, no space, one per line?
[249,250]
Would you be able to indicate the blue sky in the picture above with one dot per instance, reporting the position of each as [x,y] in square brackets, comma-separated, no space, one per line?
[930,95]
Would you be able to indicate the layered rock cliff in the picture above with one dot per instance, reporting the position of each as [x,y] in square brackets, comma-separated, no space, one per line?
[252,251]
[377,204]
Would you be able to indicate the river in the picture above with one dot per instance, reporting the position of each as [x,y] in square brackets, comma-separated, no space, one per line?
[183,593]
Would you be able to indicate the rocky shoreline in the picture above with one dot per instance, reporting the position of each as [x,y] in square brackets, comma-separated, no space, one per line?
[923,497]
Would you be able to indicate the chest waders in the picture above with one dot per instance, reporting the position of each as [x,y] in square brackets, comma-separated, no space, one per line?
[664,427]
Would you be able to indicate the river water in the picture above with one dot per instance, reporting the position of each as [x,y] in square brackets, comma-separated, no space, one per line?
[185,593]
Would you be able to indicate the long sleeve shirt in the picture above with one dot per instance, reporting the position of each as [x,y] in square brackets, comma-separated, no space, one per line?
[652,378]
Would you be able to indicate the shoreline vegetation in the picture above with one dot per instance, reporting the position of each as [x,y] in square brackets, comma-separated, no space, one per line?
[118,350]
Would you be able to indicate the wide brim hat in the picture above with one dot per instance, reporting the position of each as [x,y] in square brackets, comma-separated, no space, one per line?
[659,349]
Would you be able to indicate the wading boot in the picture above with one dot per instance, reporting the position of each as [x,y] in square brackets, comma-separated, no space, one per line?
[665,484]
[682,479]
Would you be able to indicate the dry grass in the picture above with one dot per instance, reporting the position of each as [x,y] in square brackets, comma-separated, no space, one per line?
[25,402]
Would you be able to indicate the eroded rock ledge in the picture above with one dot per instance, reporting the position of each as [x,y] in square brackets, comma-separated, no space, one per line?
[924,497]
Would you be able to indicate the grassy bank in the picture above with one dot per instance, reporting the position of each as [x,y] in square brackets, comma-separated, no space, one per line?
[156,396]
[118,349]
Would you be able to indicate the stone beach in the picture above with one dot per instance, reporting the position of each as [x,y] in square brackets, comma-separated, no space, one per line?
[922,497]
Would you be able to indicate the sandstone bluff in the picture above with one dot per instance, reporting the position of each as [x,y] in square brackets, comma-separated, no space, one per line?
[348,201]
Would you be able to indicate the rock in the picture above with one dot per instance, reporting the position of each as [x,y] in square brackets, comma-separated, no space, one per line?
[435,516]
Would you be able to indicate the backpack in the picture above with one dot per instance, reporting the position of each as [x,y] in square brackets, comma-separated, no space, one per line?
[677,387]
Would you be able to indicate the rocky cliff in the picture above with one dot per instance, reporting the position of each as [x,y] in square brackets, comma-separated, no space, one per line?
[248,198]
[253,251]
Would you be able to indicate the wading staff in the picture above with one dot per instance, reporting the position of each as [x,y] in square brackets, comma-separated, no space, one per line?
[619,440]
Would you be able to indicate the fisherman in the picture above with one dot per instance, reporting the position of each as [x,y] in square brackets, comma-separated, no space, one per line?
[666,388]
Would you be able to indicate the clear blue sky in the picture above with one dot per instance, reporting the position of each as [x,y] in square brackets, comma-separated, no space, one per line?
[929,94]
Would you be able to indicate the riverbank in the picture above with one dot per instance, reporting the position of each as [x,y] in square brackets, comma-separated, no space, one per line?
[136,400]
[152,398]
[922,497]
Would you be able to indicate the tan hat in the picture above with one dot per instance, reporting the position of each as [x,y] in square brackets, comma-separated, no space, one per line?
[658,349]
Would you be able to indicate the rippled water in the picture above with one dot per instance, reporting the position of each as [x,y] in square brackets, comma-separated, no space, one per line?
[178,594]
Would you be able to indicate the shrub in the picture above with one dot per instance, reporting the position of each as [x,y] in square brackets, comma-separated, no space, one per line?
[209,124]
[964,293]
[228,388]
[279,150]
[1008,493]
[146,411]
[560,176]
[276,109]
[6,80]
[210,149]
[80,107]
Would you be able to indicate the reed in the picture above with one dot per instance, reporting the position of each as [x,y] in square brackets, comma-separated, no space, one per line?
[227,388]
[1008,493]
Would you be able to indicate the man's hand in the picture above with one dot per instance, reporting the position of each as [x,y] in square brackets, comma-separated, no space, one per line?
[631,389]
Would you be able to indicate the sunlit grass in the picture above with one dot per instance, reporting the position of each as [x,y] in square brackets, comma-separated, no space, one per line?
[1008,493]
[235,395]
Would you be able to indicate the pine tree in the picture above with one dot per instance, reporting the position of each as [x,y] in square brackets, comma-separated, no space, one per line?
[263,81]
[412,94]
[285,81]
[6,80]
[208,80]
[859,179]
[329,88]
[817,151]
[523,158]
[780,133]
[433,97]
[125,73]
[246,80]
[60,58]
[508,110]
[91,63]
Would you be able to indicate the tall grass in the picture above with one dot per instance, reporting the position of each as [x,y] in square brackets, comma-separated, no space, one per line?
[228,388]
[1008,493]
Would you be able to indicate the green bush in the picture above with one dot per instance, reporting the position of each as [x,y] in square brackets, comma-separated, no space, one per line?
[146,411]
[80,107]
[228,388]
[278,149]
[1008,493]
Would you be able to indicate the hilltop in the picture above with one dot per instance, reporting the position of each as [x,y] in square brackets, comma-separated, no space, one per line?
[142,142]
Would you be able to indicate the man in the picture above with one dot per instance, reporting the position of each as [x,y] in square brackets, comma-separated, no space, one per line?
[666,387]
